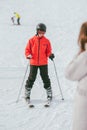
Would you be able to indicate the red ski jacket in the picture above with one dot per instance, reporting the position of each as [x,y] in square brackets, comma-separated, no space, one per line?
[39,49]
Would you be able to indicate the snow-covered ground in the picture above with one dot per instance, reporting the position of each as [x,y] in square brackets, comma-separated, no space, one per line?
[63,20]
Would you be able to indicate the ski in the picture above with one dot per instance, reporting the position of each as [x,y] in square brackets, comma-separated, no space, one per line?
[48,103]
[31,105]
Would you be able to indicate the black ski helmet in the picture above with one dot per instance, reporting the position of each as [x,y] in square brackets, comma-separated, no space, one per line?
[41,27]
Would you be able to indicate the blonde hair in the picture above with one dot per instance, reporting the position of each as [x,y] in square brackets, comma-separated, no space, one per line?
[82,39]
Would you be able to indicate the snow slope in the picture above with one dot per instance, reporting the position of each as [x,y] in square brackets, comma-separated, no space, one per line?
[63,20]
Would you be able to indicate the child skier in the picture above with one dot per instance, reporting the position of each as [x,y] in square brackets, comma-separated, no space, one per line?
[12,19]
[38,50]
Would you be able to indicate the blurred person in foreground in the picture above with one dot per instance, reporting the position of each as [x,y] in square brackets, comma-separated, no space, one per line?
[77,71]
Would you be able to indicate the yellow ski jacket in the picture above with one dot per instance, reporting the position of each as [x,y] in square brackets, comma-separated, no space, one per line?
[17,15]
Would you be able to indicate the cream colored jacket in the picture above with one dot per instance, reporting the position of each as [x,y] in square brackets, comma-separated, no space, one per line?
[77,71]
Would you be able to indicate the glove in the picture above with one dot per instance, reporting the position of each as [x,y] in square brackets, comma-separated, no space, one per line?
[52,56]
[29,56]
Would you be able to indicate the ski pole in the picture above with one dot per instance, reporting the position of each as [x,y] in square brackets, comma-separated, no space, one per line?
[22,85]
[58,80]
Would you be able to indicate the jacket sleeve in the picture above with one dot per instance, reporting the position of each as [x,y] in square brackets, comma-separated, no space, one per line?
[77,69]
[28,49]
[49,49]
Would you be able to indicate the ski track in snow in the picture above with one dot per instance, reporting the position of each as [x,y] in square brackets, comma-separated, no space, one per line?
[63,20]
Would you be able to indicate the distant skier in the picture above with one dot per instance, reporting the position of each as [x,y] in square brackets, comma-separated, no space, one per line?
[12,19]
[17,17]
[38,50]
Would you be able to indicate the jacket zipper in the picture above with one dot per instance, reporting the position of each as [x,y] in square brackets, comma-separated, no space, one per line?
[38,50]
